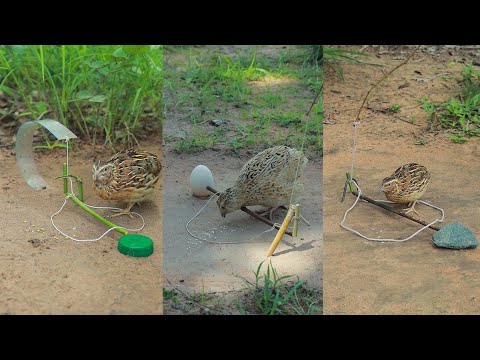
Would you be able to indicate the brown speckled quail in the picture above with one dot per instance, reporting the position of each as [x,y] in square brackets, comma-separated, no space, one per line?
[128,176]
[407,184]
[268,179]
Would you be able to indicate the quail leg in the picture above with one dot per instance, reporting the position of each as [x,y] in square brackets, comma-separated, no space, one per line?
[124,212]
[412,208]
[269,212]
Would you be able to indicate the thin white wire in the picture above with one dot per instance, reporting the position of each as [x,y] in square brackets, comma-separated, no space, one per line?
[72,194]
[222,242]
[66,142]
[298,163]
[359,192]
[105,233]
[355,124]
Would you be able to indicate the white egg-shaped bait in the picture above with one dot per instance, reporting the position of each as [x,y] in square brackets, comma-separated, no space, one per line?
[200,178]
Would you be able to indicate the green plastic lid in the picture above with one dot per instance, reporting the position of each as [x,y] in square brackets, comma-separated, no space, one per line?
[136,245]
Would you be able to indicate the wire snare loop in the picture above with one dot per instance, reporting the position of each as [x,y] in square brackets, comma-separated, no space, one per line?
[71,194]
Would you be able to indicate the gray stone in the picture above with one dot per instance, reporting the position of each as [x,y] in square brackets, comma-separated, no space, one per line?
[455,236]
[217,122]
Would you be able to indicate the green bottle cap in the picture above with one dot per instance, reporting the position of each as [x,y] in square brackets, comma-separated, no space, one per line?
[136,245]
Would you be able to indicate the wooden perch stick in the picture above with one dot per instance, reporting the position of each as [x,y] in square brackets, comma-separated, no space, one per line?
[278,237]
[383,206]
[253,213]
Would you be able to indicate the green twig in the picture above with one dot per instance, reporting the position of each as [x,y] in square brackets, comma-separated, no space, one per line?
[350,184]
[65,179]
[95,215]
[79,200]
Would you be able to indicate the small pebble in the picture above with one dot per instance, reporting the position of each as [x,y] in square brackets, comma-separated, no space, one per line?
[217,122]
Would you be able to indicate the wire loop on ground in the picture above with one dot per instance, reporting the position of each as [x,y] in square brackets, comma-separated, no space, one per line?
[72,194]
[359,192]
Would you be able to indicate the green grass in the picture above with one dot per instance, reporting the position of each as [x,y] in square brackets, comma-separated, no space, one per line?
[49,145]
[103,92]
[314,54]
[470,82]
[333,57]
[461,114]
[200,297]
[222,76]
[170,295]
[270,99]
[273,294]
[394,108]
[263,98]
[268,294]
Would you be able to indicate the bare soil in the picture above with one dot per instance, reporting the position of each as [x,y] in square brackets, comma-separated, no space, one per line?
[413,277]
[196,267]
[42,272]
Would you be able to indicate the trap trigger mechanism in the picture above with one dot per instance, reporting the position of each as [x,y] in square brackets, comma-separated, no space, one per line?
[292,214]
[24,149]
[349,182]
[78,181]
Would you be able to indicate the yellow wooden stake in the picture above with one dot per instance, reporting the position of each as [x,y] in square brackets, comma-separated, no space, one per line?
[281,231]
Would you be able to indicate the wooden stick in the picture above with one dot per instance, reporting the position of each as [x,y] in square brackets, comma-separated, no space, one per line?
[383,206]
[383,78]
[295,220]
[280,232]
[253,213]
[314,100]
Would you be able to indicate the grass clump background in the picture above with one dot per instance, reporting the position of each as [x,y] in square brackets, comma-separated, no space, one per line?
[259,93]
[106,93]
[461,114]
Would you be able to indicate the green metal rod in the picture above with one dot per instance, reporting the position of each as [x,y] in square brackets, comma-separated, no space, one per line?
[350,185]
[95,215]
[65,180]
[79,200]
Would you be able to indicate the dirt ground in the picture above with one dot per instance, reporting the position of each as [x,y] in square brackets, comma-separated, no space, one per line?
[42,272]
[413,277]
[194,265]
[197,267]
